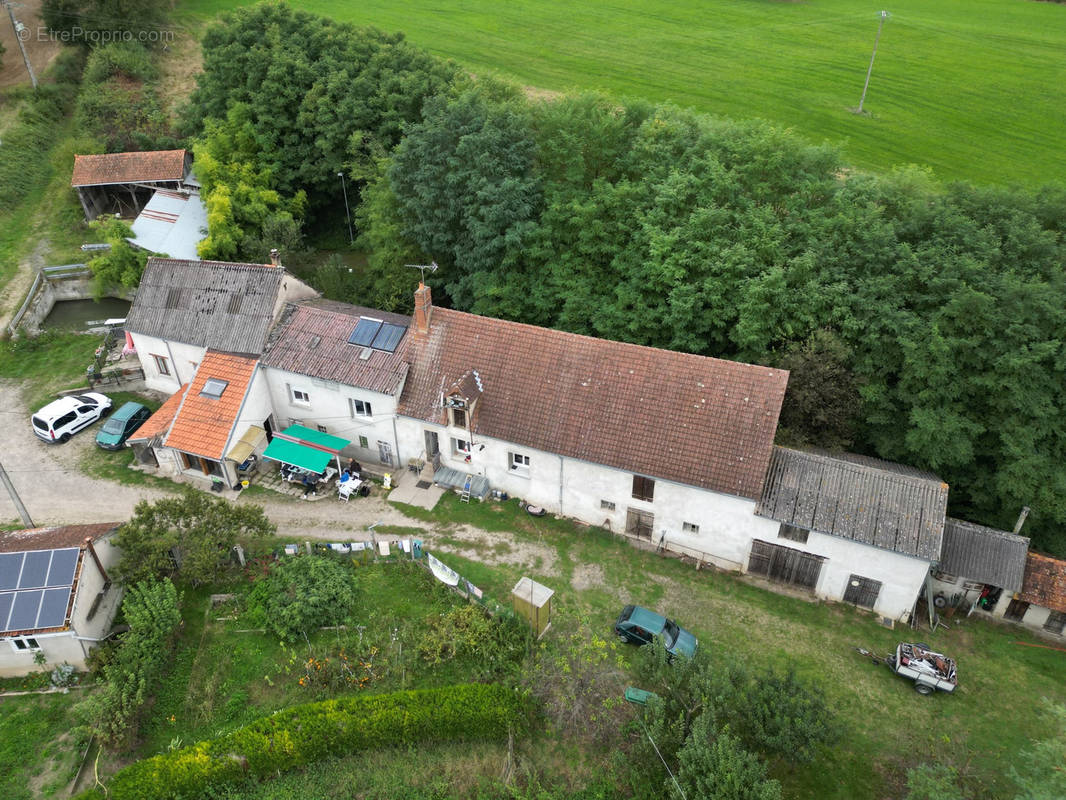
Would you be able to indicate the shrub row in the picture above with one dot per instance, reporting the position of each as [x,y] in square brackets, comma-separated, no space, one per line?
[305,734]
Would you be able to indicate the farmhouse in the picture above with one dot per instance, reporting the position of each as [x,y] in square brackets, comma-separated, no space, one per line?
[184,307]
[56,598]
[851,528]
[123,183]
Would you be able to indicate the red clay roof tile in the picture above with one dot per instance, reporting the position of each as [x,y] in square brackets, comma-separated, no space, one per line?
[204,422]
[687,418]
[147,167]
[1045,582]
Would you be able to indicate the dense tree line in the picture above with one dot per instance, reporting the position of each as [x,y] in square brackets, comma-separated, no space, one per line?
[287,100]
[921,322]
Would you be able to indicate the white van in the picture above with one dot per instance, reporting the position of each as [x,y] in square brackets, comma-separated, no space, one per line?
[58,421]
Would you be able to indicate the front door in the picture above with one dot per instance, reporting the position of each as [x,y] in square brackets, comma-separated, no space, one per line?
[432,445]
[639,523]
[385,453]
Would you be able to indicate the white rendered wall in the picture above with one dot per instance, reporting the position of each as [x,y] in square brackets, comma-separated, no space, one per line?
[329,407]
[182,360]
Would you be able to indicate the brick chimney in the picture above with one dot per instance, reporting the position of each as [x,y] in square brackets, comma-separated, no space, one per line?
[423,308]
[275,257]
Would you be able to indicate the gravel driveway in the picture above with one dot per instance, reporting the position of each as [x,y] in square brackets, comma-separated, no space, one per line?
[55,492]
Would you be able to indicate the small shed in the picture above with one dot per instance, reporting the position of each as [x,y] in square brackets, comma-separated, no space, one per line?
[534,602]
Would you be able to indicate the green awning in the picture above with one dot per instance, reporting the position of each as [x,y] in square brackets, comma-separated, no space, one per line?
[297,454]
[333,444]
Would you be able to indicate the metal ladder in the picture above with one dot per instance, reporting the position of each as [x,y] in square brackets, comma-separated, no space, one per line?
[465,498]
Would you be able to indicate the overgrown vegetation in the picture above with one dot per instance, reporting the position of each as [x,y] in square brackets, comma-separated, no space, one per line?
[301,595]
[310,733]
[122,265]
[135,667]
[190,537]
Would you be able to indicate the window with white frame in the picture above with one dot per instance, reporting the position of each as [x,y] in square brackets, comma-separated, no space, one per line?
[299,396]
[161,365]
[461,446]
[360,408]
[688,527]
[520,463]
[25,644]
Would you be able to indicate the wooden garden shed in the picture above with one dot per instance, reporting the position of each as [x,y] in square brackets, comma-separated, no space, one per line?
[534,602]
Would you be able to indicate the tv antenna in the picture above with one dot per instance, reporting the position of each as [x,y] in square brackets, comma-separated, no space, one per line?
[431,266]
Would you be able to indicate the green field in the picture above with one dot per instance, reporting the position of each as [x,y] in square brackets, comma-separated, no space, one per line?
[976,90]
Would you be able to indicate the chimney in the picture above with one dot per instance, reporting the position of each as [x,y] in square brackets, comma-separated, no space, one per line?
[423,308]
[96,558]
[275,257]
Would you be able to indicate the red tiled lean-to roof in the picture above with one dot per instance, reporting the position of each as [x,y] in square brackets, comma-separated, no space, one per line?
[1045,582]
[110,168]
[53,537]
[159,422]
[695,420]
[204,423]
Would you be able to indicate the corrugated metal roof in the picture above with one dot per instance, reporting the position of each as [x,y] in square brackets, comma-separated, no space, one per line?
[144,167]
[699,421]
[216,304]
[312,340]
[984,554]
[866,500]
[172,223]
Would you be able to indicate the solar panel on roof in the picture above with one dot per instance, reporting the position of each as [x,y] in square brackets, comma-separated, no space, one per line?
[365,332]
[64,562]
[53,608]
[6,599]
[388,337]
[24,613]
[35,569]
[10,566]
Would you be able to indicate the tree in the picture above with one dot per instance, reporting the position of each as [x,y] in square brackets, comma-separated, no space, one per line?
[120,265]
[822,405]
[1040,774]
[303,594]
[713,765]
[190,536]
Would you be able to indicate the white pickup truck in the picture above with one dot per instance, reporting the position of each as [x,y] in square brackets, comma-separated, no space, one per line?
[930,671]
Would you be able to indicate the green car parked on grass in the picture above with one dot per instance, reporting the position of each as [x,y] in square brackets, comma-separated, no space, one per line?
[640,626]
[121,425]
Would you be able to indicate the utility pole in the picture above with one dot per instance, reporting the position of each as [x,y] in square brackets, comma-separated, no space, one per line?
[347,214]
[15,498]
[21,33]
[865,86]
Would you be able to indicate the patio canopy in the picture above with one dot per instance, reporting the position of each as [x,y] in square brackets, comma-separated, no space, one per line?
[247,443]
[313,439]
[297,454]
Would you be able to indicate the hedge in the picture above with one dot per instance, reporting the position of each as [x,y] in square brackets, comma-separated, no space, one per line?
[301,735]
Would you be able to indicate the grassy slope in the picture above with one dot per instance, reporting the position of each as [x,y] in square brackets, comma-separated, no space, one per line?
[976,90]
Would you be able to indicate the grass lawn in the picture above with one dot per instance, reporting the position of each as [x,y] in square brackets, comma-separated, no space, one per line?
[46,364]
[38,753]
[974,90]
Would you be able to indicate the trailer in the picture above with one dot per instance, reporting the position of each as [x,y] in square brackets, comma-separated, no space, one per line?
[930,671]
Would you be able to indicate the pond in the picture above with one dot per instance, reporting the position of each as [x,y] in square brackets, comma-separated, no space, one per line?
[74,314]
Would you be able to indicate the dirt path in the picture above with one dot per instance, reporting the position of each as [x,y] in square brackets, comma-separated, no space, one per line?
[55,492]
[12,294]
[40,47]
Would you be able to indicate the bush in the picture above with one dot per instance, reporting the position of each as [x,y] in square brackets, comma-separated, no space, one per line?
[305,734]
[302,594]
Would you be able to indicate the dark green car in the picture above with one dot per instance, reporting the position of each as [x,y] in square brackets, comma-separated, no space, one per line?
[640,626]
[123,423]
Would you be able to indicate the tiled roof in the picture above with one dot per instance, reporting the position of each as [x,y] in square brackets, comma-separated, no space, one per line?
[215,304]
[204,423]
[312,340]
[159,422]
[984,554]
[147,167]
[53,537]
[874,502]
[686,418]
[1045,582]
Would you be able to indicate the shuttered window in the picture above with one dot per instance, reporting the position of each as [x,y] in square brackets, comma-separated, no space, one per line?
[784,564]
[1016,610]
[643,488]
[1056,621]
[862,591]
